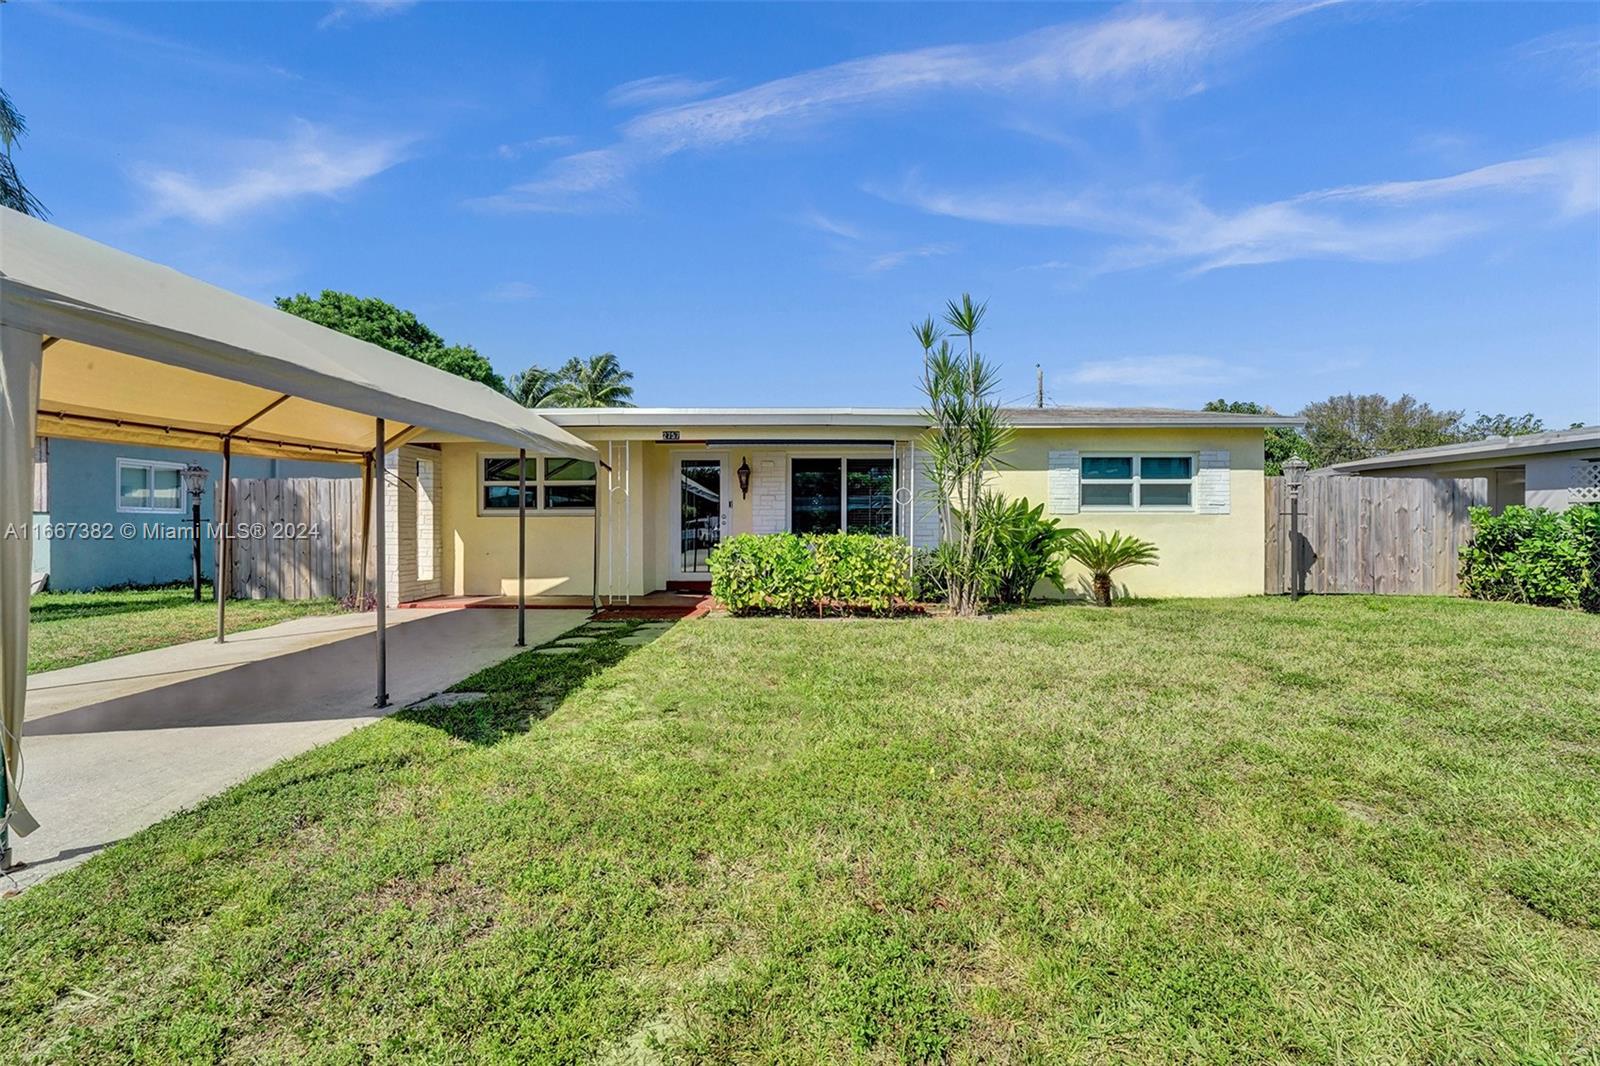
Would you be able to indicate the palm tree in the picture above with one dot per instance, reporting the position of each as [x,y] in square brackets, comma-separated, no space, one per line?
[1103,556]
[14,194]
[598,381]
[532,387]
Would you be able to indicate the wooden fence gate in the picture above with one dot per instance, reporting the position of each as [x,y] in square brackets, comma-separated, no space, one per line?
[1395,535]
[299,539]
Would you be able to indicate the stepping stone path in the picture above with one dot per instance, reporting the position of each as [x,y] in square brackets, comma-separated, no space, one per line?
[558,649]
[446,699]
[573,639]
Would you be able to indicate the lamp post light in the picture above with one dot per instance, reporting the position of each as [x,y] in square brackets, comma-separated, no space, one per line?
[1294,474]
[195,477]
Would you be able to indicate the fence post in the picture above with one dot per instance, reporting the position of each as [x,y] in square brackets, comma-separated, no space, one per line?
[1294,472]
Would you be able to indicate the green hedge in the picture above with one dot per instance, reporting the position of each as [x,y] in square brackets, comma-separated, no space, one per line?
[780,573]
[1531,555]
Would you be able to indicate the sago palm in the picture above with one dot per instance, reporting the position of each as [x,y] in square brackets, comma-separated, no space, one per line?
[1103,556]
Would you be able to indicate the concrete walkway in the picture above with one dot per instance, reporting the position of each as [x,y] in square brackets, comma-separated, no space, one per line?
[114,746]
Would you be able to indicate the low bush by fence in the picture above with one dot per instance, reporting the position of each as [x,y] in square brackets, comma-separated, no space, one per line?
[1531,555]
[781,573]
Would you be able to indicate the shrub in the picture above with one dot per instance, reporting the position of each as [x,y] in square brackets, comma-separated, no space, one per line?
[1017,548]
[1534,556]
[753,574]
[780,573]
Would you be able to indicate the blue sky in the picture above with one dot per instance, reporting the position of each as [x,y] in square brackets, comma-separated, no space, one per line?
[748,204]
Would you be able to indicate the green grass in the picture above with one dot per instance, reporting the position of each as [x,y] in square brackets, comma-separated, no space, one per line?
[1344,830]
[68,628]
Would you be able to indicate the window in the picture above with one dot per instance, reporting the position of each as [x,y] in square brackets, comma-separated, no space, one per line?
[852,495]
[1138,482]
[554,484]
[149,486]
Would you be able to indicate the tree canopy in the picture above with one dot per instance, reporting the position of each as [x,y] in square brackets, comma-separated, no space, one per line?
[13,193]
[377,322]
[1348,427]
[598,381]
[1485,426]
[1283,442]
[1344,428]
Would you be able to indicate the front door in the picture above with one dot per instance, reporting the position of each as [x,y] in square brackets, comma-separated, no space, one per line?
[702,515]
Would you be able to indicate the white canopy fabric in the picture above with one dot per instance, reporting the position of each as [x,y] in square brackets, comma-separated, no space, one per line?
[101,345]
[146,353]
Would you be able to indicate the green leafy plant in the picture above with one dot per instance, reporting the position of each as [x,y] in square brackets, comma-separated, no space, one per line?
[781,573]
[1534,556]
[1017,547]
[968,433]
[379,322]
[1104,555]
[13,193]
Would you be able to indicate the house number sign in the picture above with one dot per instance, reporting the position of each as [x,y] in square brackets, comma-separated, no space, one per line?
[669,434]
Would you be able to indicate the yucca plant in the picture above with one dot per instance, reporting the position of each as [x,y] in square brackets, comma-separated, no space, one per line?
[1103,556]
[968,433]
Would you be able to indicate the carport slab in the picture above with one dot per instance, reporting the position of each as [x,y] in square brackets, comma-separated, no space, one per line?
[117,745]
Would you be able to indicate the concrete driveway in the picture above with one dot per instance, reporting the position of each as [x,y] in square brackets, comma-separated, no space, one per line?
[114,746]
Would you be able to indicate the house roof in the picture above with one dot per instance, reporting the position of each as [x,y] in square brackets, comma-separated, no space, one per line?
[1491,450]
[1022,417]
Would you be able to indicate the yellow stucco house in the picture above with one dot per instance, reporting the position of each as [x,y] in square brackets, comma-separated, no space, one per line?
[673,482]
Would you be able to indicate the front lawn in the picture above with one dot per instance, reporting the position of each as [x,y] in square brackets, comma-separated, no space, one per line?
[1349,829]
[68,628]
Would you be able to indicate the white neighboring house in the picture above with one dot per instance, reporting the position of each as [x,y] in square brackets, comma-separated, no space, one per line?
[1553,470]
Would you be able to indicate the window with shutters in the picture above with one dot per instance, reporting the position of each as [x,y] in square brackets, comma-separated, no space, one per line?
[1140,482]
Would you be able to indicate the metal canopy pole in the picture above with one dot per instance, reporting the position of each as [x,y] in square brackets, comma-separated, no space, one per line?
[627,521]
[611,521]
[380,582]
[223,564]
[594,572]
[522,547]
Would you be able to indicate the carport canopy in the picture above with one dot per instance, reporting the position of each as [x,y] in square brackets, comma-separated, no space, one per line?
[97,344]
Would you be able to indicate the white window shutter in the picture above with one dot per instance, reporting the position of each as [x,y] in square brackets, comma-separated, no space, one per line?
[1065,471]
[1211,487]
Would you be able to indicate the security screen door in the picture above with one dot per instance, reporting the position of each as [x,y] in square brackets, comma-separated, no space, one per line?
[700,514]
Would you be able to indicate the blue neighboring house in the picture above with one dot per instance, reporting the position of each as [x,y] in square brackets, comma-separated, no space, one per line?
[79,485]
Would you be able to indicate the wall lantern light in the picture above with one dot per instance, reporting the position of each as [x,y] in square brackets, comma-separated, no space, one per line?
[744,478]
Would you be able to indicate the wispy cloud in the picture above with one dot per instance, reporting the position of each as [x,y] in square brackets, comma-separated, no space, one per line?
[834,227]
[1131,54]
[1382,221]
[659,89]
[1158,371]
[1573,55]
[512,292]
[517,149]
[889,260]
[154,46]
[350,12]
[247,176]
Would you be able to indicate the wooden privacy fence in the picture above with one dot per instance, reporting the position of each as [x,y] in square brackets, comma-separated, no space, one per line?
[1395,535]
[296,538]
